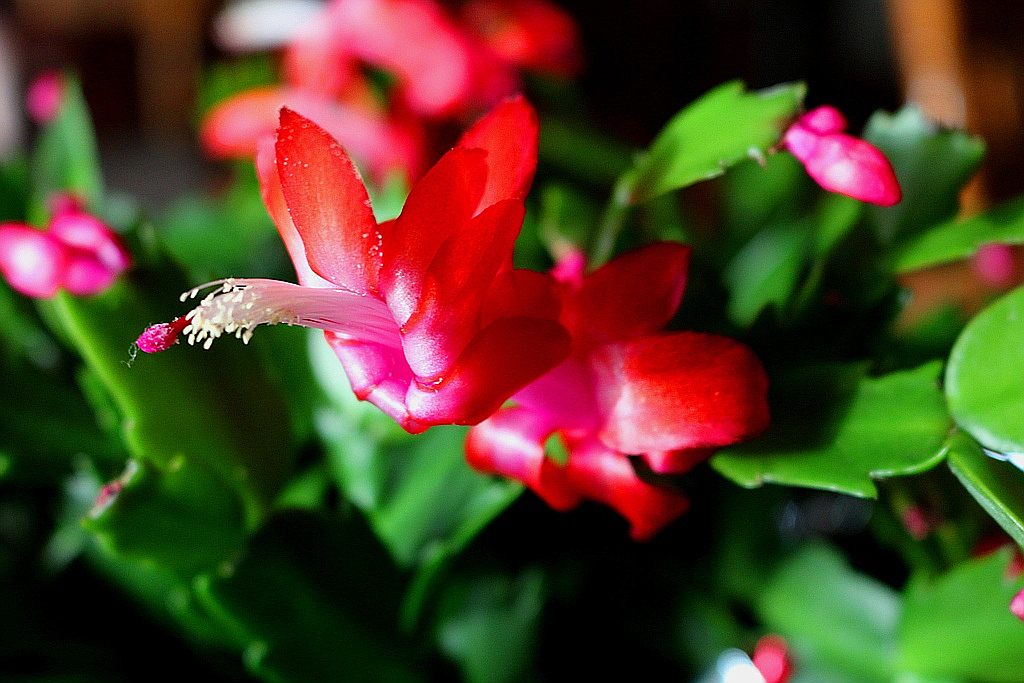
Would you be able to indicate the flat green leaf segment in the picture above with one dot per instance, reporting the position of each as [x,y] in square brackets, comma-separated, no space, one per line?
[997,486]
[720,129]
[837,429]
[984,381]
[960,625]
[959,239]
[191,403]
[418,493]
[851,625]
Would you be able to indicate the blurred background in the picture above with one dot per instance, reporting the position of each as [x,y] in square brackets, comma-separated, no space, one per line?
[140,61]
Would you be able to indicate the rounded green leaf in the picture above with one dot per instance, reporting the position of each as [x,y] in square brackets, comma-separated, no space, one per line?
[984,381]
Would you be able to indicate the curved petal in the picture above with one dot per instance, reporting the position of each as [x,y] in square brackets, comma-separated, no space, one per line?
[328,204]
[606,476]
[511,443]
[89,234]
[679,391]
[504,357]
[455,285]
[439,206]
[509,134]
[378,374]
[532,34]
[633,295]
[676,462]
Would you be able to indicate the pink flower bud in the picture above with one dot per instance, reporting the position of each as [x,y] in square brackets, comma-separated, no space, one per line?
[839,162]
[771,657]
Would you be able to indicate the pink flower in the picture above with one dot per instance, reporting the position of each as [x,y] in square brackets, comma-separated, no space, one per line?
[44,97]
[670,398]
[839,162]
[75,252]
[771,658]
[428,317]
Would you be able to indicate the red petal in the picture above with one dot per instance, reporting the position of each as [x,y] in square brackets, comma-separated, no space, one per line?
[456,284]
[676,462]
[233,126]
[500,360]
[438,206]
[606,476]
[633,295]
[679,391]
[511,443]
[328,204]
[509,133]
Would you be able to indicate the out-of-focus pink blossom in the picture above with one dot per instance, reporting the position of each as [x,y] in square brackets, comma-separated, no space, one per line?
[996,264]
[839,162]
[76,252]
[670,398]
[530,34]
[437,67]
[772,659]
[44,97]
[428,317]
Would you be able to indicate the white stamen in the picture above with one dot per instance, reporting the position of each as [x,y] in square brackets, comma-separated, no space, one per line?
[237,306]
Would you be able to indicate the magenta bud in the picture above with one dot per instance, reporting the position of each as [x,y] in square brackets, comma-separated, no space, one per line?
[162,336]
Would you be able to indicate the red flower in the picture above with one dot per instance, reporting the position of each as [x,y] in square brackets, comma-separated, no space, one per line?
[670,398]
[428,317]
[839,162]
[75,252]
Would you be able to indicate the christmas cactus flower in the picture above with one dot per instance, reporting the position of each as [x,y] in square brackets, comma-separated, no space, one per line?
[426,313]
[839,162]
[627,389]
[76,252]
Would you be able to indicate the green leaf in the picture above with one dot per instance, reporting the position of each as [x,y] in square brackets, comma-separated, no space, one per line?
[766,271]
[998,486]
[181,517]
[960,238]
[932,164]
[961,625]
[419,494]
[725,126]
[984,383]
[489,625]
[65,157]
[833,614]
[315,599]
[836,429]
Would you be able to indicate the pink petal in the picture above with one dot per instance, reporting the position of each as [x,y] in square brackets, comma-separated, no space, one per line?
[603,475]
[500,360]
[1017,605]
[378,374]
[328,204]
[45,96]
[635,294]
[33,262]
[413,39]
[771,657]
[996,264]
[509,134]
[89,234]
[511,443]
[85,275]
[846,165]
[823,120]
[679,391]
[438,207]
